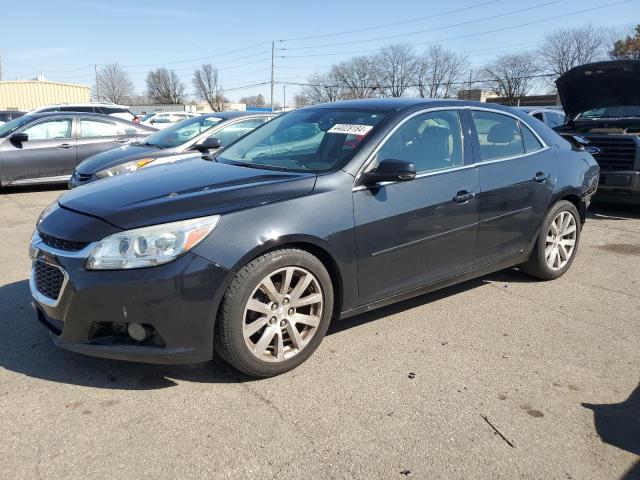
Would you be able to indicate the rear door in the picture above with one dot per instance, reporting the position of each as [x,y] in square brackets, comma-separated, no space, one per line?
[413,233]
[97,135]
[48,155]
[516,172]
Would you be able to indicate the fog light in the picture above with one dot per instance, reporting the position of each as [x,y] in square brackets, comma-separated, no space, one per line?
[138,332]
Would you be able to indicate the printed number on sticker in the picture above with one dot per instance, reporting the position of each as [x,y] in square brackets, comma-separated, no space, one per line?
[347,129]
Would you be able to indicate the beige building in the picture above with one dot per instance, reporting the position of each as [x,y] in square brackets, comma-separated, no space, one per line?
[29,94]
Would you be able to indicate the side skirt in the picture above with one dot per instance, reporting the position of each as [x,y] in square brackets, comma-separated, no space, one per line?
[507,262]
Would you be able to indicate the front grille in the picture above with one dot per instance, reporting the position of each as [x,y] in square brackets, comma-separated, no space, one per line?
[616,153]
[48,279]
[60,244]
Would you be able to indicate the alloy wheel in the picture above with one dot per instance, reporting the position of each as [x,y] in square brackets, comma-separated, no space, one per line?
[561,240]
[282,314]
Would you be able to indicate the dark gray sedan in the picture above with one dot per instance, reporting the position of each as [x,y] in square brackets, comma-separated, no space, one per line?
[46,147]
[320,214]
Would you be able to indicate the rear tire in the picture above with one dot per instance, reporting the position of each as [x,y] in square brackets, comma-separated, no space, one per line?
[275,313]
[557,243]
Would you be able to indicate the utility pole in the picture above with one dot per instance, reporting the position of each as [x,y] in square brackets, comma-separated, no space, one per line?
[95,69]
[470,74]
[284,97]
[0,66]
[273,56]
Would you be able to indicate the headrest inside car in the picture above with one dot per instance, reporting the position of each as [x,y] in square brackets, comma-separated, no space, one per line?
[501,133]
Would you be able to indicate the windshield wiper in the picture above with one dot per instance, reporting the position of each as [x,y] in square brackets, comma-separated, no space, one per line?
[152,145]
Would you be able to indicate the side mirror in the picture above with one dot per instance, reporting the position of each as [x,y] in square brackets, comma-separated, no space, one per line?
[207,144]
[19,137]
[390,171]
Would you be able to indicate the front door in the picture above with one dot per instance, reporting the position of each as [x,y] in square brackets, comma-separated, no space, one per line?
[48,154]
[99,135]
[413,233]
[516,174]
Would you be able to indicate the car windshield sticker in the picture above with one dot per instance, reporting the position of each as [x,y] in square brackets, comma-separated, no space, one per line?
[347,129]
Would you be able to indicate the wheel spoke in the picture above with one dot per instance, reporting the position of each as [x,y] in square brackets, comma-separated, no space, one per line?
[265,339]
[279,347]
[308,300]
[286,284]
[554,227]
[563,253]
[257,306]
[568,242]
[570,229]
[565,224]
[270,289]
[548,251]
[255,326]
[306,319]
[296,339]
[302,285]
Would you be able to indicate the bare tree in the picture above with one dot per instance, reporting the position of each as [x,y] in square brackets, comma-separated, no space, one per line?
[356,78]
[254,100]
[113,84]
[627,48]
[396,67]
[321,88]
[438,72]
[511,76]
[207,87]
[566,48]
[165,87]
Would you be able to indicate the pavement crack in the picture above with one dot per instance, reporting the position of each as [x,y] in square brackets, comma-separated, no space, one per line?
[495,429]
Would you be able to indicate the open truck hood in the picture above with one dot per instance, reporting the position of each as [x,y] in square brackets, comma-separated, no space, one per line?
[599,85]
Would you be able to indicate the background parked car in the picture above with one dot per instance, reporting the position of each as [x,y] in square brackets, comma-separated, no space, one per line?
[176,142]
[45,147]
[162,120]
[8,115]
[120,111]
[553,118]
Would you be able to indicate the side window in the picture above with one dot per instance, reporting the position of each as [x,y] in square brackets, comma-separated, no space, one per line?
[531,143]
[94,128]
[554,119]
[231,133]
[498,135]
[49,130]
[431,141]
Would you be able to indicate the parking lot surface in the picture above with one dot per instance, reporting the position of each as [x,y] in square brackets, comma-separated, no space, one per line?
[501,377]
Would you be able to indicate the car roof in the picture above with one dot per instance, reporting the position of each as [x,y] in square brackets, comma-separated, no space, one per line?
[397,104]
[99,116]
[233,114]
[89,104]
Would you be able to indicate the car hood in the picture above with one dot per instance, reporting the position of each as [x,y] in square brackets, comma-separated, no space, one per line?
[178,191]
[599,85]
[120,155]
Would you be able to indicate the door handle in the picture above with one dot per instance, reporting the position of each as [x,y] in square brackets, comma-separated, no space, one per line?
[65,145]
[463,196]
[541,177]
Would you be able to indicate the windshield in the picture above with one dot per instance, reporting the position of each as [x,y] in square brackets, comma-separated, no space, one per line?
[315,140]
[10,127]
[182,132]
[626,111]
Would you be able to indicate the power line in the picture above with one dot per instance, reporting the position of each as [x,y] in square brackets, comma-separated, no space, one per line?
[432,29]
[486,32]
[404,22]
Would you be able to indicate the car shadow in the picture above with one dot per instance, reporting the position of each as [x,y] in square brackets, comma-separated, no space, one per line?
[25,346]
[618,424]
[50,187]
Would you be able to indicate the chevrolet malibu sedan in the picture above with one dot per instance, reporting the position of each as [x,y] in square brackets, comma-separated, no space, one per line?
[252,253]
[45,147]
[179,141]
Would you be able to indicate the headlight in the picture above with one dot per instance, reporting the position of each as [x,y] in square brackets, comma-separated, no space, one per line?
[150,246]
[128,167]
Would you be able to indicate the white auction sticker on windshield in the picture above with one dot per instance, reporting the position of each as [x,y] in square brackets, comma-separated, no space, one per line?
[347,129]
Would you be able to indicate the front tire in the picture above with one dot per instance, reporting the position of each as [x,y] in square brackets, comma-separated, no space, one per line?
[557,242]
[275,313]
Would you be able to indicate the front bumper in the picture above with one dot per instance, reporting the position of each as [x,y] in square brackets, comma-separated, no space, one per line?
[619,187]
[178,301]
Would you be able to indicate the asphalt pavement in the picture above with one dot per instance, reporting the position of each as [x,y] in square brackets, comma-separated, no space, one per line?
[500,377]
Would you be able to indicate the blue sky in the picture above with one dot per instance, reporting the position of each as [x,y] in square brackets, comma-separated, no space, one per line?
[65,38]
